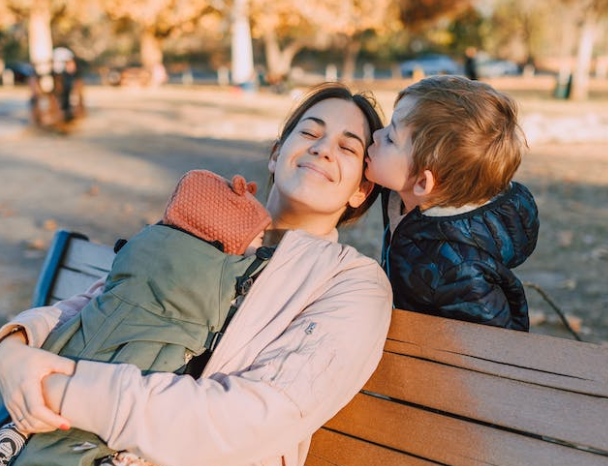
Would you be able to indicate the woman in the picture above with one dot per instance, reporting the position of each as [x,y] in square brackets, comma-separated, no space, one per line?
[303,343]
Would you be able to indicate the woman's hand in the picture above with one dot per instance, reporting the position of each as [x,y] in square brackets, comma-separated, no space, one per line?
[22,370]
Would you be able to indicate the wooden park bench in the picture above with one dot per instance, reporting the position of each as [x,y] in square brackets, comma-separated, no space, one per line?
[445,393]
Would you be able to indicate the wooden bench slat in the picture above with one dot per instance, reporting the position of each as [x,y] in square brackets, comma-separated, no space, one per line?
[450,441]
[516,405]
[591,386]
[88,257]
[333,449]
[69,282]
[518,355]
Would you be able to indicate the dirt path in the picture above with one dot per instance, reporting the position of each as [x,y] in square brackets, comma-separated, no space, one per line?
[113,173]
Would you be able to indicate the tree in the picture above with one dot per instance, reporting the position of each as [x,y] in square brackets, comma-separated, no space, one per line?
[38,14]
[7,22]
[242,53]
[85,29]
[7,16]
[520,29]
[417,14]
[566,27]
[44,18]
[348,21]
[157,21]
[590,13]
[284,33]
[440,24]
[288,26]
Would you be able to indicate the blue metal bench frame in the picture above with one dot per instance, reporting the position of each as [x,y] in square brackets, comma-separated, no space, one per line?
[51,265]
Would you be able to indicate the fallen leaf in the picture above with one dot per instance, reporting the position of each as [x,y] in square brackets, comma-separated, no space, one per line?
[93,190]
[37,244]
[49,225]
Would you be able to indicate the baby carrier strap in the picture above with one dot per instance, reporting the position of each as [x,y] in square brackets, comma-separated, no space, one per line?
[243,285]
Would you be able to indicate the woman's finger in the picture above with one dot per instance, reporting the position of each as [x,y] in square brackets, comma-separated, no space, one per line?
[19,421]
[43,419]
[25,422]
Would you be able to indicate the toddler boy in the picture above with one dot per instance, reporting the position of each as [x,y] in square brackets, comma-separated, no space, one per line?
[456,223]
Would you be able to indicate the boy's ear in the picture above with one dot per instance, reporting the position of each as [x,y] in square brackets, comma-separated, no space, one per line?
[424,184]
[358,198]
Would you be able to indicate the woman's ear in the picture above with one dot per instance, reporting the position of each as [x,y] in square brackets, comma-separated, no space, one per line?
[424,184]
[274,155]
[358,198]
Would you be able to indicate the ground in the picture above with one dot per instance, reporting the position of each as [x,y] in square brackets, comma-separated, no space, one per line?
[113,172]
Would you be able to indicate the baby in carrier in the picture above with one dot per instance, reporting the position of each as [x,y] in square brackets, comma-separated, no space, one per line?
[167,301]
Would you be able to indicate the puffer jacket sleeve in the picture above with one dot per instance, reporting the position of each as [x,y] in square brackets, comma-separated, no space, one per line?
[38,322]
[474,291]
[295,384]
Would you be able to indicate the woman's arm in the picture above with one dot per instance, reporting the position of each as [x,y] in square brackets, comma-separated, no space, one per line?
[38,322]
[23,368]
[295,384]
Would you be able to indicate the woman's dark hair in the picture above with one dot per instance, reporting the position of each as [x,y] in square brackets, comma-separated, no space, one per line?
[366,102]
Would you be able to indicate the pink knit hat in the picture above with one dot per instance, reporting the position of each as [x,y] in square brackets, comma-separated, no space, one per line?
[208,206]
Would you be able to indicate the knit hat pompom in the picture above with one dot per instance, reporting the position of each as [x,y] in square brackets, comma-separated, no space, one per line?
[208,206]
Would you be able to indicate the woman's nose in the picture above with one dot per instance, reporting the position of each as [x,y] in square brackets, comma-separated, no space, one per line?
[321,148]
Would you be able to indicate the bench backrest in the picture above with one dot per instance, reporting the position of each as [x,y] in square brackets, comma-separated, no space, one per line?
[72,264]
[446,392]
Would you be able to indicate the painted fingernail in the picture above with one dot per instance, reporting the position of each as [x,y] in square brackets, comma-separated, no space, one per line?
[64,427]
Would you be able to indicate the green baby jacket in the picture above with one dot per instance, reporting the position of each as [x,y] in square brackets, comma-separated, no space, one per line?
[165,292]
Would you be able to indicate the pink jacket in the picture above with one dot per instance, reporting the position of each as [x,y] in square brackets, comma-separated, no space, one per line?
[305,340]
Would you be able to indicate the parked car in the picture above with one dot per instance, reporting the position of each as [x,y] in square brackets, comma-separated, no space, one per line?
[132,75]
[432,63]
[494,68]
[21,72]
[488,67]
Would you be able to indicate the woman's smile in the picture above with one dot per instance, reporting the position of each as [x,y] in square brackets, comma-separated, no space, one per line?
[315,170]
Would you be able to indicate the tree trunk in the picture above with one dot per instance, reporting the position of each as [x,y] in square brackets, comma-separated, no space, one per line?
[278,62]
[350,59]
[40,40]
[151,49]
[580,84]
[152,57]
[242,49]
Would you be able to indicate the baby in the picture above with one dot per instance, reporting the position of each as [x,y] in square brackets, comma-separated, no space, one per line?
[168,298]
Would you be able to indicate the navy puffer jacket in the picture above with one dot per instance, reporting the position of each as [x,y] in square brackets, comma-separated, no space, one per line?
[460,266]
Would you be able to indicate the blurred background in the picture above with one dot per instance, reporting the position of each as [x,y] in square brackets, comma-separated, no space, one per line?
[105,103]
[289,42]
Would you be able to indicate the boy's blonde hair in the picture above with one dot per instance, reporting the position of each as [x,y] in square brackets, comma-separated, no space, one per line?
[466,133]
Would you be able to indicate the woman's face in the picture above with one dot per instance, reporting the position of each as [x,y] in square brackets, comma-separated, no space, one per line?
[319,167]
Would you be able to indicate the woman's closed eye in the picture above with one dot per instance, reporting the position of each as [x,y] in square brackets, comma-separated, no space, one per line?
[308,133]
[388,138]
[348,149]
